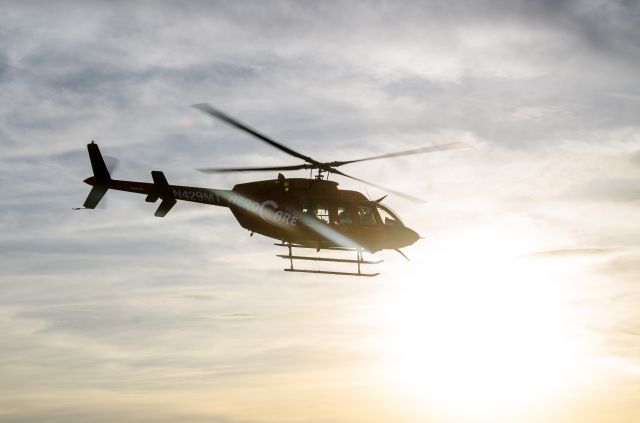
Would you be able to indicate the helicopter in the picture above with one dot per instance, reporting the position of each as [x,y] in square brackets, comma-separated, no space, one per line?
[299,213]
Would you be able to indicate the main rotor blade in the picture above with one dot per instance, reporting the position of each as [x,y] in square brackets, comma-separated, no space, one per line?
[206,108]
[398,193]
[252,169]
[430,149]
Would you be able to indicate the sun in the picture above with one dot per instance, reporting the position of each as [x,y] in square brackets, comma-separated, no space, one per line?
[477,332]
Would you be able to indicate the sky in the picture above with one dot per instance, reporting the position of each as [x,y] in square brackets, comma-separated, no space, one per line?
[521,302]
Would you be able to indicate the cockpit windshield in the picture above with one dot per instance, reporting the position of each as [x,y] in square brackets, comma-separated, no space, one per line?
[388,216]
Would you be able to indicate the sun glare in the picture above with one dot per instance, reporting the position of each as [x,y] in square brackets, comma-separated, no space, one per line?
[477,332]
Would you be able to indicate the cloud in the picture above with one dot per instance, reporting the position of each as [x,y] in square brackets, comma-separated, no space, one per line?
[569,252]
[103,304]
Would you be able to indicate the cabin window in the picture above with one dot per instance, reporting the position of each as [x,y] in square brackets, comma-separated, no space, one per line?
[322,213]
[366,216]
[319,212]
[387,218]
[344,216]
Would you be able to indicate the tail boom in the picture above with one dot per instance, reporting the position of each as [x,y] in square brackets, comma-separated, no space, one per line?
[214,197]
[101,182]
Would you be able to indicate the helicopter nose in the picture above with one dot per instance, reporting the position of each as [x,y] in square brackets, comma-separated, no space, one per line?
[411,236]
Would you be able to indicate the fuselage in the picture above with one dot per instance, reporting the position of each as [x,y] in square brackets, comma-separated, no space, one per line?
[308,212]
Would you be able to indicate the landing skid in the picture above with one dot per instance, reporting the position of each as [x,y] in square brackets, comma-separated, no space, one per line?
[359,261]
[327,272]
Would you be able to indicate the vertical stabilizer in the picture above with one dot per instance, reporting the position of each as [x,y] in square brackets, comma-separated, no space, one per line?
[100,170]
[101,178]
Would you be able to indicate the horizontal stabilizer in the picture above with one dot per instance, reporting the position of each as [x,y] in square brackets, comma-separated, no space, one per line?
[161,189]
[94,197]
[165,206]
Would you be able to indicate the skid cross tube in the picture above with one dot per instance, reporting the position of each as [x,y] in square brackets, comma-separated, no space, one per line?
[318,248]
[330,259]
[358,261]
